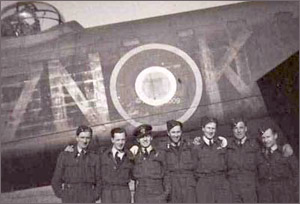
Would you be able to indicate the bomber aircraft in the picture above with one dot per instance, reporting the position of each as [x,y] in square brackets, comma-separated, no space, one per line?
[234,60]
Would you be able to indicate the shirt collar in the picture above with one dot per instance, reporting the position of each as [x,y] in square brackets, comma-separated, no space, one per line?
[149,149]
[274,147]
[175,144]
[243,140]
[79,149]
[206,140]
[114,151]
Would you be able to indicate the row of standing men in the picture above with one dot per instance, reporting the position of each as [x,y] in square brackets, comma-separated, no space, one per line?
[208,169]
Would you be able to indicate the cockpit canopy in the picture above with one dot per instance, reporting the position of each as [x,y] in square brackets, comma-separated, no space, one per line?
[28,18]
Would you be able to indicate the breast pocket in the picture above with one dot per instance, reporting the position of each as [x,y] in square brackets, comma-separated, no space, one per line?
[232,159]
[155,168]
[171,160]
[186,159]
[105,164]
[204,162]
[138,168]
[249,161]
[72,170]
[282,169]
[263,170]
[91,172]
[220,160]
[125,170]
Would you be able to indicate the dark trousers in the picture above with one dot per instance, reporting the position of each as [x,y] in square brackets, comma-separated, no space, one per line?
[79,194]
[183,189]
[150,191]
[243,189]
[276,192]
[213,189]
[116,195]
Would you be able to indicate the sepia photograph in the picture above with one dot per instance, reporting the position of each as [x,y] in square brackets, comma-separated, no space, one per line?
[149,102]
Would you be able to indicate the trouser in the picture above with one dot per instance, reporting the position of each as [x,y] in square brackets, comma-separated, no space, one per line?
[243,189]
[183,189]
[149,191]
[79,193]
[276,192]
[213,189]
[116,194]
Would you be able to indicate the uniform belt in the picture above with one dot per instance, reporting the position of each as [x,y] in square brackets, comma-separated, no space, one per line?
[150,182]
[182,173]
[240,170]
[219,173]
[273,179]
[79,185]
[241,173]
[112,186]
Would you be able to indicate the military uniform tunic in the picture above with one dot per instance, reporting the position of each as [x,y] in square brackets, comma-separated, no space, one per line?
[116,177]
[212,184]
[278,177]
[241,166]
[181,170]
[77,179]
[150,175]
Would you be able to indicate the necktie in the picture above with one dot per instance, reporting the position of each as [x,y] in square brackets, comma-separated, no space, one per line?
[146,154]
[240,143]
[175,146]
[268,152]
[210,142]
[117,158]
[80,154]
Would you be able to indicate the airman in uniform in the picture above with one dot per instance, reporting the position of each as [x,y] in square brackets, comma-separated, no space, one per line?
[211,170]
[241,152]
[278,176]
[180,165]
[116,168]
[77,176]
[152,184]
[241,162]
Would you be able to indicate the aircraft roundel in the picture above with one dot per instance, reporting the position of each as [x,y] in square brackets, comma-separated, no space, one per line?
[154,83]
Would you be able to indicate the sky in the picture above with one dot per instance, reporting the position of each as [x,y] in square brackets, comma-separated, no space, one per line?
[96,13]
